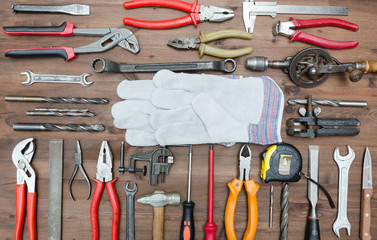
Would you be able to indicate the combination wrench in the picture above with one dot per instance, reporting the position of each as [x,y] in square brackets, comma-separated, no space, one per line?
[100,65]
[130,217]
[50,78]
[344,163]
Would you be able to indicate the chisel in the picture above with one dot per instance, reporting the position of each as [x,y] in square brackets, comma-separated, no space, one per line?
[72,9]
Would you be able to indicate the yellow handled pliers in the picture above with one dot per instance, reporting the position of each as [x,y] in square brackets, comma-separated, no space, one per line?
[235,187]
[200,43]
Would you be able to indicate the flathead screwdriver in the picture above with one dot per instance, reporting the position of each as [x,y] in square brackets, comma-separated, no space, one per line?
[187,225]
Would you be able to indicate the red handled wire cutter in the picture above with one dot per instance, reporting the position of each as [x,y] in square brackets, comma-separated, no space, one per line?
[197,13]
[111,37]
[287,29]
[21,157]
[104,177]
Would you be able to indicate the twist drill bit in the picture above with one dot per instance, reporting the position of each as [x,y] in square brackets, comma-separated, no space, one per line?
[333,103]
[284,211]
[56,99]
[60,110]
[58,127]
[61,114]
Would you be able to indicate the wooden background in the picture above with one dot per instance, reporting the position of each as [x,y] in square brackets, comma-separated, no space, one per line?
[76,217]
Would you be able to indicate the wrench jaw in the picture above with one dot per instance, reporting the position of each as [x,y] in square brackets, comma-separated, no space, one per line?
[83,80]
[349,157]
[339,224]
[28,74]
[129,190]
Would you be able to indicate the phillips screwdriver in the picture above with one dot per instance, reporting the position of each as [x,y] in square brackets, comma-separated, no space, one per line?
[187,225]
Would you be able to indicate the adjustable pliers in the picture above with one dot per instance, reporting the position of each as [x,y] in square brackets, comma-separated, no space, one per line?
[21,157]
[200,43]
[235,187]
[197,13]
[111,37]
[104,177]
[287,29]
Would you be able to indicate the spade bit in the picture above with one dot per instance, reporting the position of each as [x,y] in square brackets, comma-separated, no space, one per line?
[344,164]
[50,78]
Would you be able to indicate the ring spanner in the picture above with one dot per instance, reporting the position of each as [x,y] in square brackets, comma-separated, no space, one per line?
[50,78]
[100,65]
[344,163]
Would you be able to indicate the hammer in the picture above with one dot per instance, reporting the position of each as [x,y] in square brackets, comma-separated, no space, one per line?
[159,199]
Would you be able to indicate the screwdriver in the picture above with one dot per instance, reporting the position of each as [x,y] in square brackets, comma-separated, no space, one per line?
[187,225]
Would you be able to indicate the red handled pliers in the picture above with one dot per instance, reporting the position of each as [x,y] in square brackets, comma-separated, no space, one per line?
[21,157]
[287,29]
[104,177]
[197,13]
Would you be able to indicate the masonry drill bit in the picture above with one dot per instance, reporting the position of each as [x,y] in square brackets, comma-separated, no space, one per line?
[284,211]
[56,99]
[60,114]
[58,127]
[333,103]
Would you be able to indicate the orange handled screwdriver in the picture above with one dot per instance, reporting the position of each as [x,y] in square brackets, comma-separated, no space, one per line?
[235,187]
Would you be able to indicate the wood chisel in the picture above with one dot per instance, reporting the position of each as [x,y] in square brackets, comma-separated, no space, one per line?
[366,197]
[312,226]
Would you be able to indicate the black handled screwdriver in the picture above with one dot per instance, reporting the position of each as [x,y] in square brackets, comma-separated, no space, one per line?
[187,225]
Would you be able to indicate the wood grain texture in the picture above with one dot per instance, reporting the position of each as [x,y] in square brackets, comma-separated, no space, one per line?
[76,217]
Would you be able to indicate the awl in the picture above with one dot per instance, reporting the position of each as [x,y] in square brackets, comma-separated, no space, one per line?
[366,197]
[72,9]
[251,9]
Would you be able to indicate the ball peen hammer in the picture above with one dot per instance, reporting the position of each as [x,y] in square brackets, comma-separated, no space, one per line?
[159,199]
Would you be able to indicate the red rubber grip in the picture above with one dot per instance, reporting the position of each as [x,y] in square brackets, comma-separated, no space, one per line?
[20,210]
[32,215]
[322,42]
[334,22]
[94,208]
[176,4]
[115,206]
[192,18]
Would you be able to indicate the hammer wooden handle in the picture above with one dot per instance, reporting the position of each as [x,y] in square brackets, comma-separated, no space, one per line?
[158,223]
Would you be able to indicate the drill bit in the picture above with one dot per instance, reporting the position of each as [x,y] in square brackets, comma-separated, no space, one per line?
[60,110]
[333,103]
[58,127]
[284,211]
[56,99]
[60,114]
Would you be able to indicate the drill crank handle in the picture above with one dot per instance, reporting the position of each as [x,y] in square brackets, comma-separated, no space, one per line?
[66,29]
[235,187]
[94,208]
[368,66]
[20,210]
[322,42]
[115,207]
[32,215]
[65,52]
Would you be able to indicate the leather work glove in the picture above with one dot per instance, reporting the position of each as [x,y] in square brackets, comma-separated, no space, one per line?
[179,108]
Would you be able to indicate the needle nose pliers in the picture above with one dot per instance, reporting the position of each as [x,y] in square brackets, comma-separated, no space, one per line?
[111,37]
[78,165]
[287,29]
[200,43]
[104,177]
[197,13]
[21,157]
[235,187]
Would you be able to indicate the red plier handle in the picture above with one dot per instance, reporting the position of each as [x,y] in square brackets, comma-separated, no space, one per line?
[21,202]
[192,18]
[114,204]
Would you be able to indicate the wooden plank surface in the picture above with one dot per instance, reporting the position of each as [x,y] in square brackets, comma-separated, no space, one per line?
[76,217]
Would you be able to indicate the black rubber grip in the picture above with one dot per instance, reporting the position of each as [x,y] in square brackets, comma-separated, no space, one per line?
[40,52]
[312,230]
[60,28]
[187,225]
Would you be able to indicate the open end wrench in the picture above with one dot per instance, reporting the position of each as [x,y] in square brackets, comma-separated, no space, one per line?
[130,217]
[344,163]
[50,78]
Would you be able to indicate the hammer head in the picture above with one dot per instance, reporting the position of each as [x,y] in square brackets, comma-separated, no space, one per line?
[160,199]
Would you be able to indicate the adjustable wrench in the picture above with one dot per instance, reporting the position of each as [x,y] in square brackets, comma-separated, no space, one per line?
[49,78]
[344,163]
[130,230]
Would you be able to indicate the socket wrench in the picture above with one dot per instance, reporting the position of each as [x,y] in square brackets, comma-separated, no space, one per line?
[50,78]
[130,217]
[100,65]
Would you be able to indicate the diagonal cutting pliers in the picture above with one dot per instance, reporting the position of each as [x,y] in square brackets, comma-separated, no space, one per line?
[235,187]
[111,37]
[287,29]
[104,177]
[200,43]
[21,157]
[197,13]
[78,165]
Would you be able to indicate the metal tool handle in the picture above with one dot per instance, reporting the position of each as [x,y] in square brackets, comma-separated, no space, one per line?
[110,66]
[343,192]
[65,52]
[66,29]
[130,232]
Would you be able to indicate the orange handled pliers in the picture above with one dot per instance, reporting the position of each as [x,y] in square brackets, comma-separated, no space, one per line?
[235,187]
[21,157]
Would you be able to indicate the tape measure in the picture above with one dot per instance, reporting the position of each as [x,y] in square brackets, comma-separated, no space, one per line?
[281,162]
